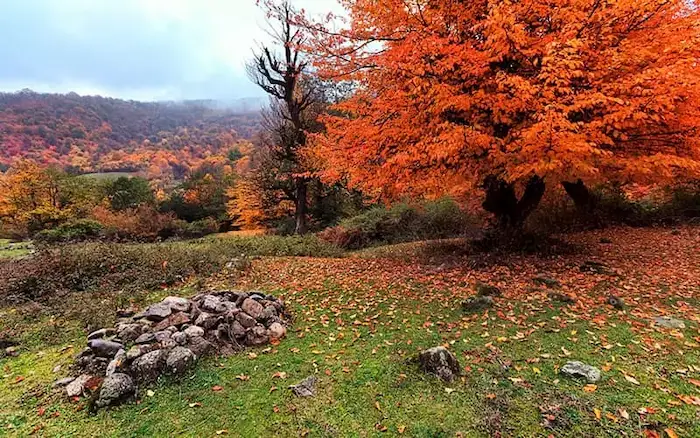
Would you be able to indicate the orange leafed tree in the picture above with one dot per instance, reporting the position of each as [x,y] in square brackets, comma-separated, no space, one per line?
[453,95]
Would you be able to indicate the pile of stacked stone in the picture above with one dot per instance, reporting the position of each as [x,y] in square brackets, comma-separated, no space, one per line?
[168,337]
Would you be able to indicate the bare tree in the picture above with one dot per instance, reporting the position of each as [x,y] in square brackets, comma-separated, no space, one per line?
[279,70]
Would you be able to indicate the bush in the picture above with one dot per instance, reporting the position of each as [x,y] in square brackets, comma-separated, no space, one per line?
[143,223]
[73,231]
[200,228]
[401,223]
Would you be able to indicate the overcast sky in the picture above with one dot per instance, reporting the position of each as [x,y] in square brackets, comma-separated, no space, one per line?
[134,49]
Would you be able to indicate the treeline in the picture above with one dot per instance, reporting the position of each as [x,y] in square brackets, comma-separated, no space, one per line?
[92,134]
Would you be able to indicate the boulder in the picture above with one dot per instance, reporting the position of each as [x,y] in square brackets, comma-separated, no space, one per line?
[245,320]
[157,312]
[305,388]
[145,338]
[199,346]
[116,388]
[207,320]
[277,330]
[177,304]
[440,362]
[162,335]
[257,336]
[578,369]
[252,308]
[212,304]
[77,386]
[101,333]
[136,351]
[129,332]
[179,360]
[669,322]
[238,330]
[180,338]
[104,348]
[148,368]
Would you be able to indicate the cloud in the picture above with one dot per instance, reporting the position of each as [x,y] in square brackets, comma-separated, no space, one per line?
[141,49]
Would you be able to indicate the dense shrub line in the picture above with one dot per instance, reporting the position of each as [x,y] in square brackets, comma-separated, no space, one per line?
[402,222]
[119,266]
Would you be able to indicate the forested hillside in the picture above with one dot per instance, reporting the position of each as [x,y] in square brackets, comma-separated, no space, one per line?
[94,134]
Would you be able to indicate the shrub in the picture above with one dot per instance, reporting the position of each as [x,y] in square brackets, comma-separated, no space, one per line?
[82,229]
[401,223]
[108,267]
[141,223]
[200,228]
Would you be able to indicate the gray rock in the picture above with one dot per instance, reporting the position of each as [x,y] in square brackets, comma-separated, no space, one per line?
[238,330]
[277,330]
[669,322]
[200,346]
[177,304]
[60,383]
[162,336]
[157,312]
[578,369]
[305,388]
[270,314]
[149,367]
[116,388]
[104,348]
[594,267]
[145,338]
[179,360]
[440,362]
[245,320]
[136,351]
[477,304]
[560,297]
[212,304]
[180,338]
[257,336]
[101,333]
[207,320]
[252,308]
[117,363]
[194,331]
[129,332]
[77,386]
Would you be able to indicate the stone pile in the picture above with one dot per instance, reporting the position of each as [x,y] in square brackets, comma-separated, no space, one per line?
[168,337]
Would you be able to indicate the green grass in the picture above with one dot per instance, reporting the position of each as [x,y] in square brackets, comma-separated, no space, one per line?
[360,347]
[9,250]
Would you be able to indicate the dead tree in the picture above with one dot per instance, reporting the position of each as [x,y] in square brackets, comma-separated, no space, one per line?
[279,70]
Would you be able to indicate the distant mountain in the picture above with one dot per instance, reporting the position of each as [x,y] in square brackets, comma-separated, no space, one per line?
[93,133]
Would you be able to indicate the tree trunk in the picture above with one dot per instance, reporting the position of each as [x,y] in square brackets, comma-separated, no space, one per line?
[510,212]
[300,213]
[579,193]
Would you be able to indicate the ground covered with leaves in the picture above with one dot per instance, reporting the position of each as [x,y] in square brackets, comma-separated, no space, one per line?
[360,320]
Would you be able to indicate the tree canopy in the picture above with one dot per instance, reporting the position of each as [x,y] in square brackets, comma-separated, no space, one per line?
[451,92]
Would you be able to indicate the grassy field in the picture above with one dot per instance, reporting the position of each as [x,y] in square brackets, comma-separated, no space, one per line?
[360,320]
[9,249]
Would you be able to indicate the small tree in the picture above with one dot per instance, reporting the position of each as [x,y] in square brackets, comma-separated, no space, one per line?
[124,193]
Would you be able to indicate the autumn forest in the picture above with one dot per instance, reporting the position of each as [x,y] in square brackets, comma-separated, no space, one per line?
[440,218]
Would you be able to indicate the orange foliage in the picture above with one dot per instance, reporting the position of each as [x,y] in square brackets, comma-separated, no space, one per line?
[452,91]
[143,222]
